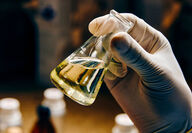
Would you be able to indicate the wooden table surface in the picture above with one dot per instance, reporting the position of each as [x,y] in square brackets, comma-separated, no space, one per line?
[97,118]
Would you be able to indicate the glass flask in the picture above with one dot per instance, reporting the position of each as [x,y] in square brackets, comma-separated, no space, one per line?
[81,74]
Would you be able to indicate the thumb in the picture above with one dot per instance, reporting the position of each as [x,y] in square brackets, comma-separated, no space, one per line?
[127,50]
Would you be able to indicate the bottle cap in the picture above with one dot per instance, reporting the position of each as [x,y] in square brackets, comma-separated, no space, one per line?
[123,120]
[124,124]
[43,112]
[53,94]
[9,104]
[54,101]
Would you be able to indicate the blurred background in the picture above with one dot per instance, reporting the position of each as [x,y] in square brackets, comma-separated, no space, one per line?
[36,35]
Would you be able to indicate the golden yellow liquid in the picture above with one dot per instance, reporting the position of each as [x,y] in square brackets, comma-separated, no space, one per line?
[79,78]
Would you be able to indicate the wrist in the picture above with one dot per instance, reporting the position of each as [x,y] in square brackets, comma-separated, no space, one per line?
[178,125]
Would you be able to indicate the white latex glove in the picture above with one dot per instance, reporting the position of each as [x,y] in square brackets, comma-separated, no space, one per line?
[148,84]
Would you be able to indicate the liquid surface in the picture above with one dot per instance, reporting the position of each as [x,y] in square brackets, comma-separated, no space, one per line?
[80,78]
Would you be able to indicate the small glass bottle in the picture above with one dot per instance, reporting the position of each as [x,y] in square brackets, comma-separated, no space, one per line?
[123,124]
[44,123]
[10,113]
[53,99]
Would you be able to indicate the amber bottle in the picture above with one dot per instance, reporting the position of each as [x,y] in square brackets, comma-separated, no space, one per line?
[44,124]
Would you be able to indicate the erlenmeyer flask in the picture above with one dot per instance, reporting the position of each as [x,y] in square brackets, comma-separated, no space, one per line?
[81,74]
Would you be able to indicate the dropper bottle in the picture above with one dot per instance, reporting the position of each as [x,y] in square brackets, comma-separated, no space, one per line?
[44,124]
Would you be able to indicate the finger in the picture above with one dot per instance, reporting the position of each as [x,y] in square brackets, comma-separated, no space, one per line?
[143,33]
[110,76]
[118,69]
[127,50]
[102,25]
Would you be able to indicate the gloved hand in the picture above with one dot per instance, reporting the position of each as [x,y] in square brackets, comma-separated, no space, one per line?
[145,78]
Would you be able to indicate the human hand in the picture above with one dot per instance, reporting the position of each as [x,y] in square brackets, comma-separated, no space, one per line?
[144,76]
